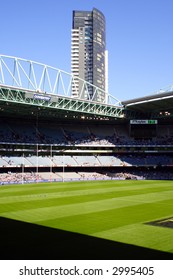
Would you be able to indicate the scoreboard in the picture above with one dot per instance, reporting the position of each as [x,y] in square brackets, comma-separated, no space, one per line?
[143,129]
[137,122]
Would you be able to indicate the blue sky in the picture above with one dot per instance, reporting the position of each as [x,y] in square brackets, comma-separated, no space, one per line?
[139,37]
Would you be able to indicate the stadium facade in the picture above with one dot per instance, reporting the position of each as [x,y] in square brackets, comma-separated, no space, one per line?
[88,52]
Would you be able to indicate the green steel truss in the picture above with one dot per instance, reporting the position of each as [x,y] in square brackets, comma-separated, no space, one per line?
[25,82]
[64,104]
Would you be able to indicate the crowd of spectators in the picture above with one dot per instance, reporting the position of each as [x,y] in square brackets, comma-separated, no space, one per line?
[16,178]
[61,135]
[143,175]
[86,136]
[93,176]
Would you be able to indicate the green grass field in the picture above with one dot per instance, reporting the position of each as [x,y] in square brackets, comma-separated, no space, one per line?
[113,210]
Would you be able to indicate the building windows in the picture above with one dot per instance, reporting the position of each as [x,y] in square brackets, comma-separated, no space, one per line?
[88,48]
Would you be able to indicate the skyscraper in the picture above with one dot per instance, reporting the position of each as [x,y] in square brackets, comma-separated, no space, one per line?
[88,52]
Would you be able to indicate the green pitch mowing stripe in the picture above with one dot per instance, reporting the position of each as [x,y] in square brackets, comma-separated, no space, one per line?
[114,210]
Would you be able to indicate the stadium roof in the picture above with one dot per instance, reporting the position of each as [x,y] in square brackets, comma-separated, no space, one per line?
[161,104]
[19,102]
[28,87]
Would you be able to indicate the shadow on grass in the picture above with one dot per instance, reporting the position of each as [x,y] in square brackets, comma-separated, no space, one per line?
[20,240]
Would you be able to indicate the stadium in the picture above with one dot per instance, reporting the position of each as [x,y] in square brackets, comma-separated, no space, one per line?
[81,179]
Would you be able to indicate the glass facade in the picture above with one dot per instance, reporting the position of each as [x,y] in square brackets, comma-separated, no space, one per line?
[88,51]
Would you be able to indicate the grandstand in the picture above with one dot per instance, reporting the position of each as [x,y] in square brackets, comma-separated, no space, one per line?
[93,149]
[47,136]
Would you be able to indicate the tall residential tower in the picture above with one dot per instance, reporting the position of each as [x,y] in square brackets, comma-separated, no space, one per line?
[88,53]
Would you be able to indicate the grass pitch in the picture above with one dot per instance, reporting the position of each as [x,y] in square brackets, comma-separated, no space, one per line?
[113,210]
